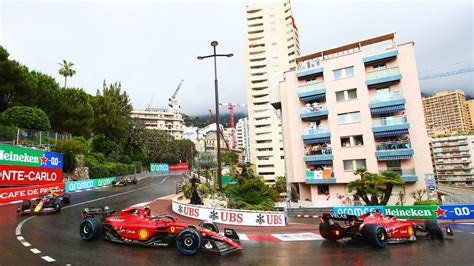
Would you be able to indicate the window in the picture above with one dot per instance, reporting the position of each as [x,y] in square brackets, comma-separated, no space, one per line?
[346,95]
[352,165]
[352,141]
[347,118]
[323,190]
[343,73]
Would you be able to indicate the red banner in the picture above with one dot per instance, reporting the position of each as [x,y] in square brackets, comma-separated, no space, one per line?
[20,193]
[178,167]
[28,175]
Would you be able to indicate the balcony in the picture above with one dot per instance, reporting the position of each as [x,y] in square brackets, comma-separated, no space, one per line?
[389,103]
[313,112]
[320,156]
[391,126]
[316,135]
[383,76]
[406,174]
[312,92]
[309,67]
[394,150]
[320,177]
[380,57]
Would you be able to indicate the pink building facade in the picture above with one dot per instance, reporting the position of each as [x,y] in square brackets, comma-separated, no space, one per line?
[354,106]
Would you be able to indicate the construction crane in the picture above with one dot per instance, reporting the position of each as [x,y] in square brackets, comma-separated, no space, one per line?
[219,131]
[231,107]
[172,101]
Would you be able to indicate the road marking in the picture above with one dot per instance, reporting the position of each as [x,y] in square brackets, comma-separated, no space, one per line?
[20,225]
[471,233]
[26,244]
[35,250]
[298,237]
[48,258]
[458,231]
[243,237]
[20,238]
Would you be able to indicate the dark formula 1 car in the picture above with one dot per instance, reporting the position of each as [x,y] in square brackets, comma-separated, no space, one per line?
[137,226]
[376,228]
[52,201]
[125,181]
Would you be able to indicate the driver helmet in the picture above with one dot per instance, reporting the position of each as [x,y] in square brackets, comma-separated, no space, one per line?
[147,210]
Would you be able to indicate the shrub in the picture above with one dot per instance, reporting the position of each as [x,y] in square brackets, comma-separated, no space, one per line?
[187,188]
[426,202]
[204,189]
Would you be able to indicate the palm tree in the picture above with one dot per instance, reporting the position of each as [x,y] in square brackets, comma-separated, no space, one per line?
[389,179]
[66,70]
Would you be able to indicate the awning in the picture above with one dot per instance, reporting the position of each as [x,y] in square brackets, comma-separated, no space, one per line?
[394,158]
[313,97]
[392,133]
[388,109]
[317,140]
[319,162]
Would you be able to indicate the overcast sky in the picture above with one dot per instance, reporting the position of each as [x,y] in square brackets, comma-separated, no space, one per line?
[151,45]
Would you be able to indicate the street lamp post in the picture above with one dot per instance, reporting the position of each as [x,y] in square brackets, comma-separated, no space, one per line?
[216,96]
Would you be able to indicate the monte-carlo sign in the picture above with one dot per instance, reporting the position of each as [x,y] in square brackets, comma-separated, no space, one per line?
[23,166]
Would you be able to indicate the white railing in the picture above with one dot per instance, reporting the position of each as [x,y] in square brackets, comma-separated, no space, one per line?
[313,108]
[315,130]
[396,95]
[390,121]
[383,73]
[311,87]
[310,63]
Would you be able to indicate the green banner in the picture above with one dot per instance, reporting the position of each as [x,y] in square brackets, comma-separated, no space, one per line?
[412,212]
[13,155]
[102,182]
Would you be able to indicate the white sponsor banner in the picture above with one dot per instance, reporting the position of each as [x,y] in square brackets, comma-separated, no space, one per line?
[229,216]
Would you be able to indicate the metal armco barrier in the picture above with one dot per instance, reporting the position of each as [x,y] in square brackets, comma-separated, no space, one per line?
[414,212]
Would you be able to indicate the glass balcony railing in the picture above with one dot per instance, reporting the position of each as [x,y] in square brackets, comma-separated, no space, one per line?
[311,87]
[310,63]
[393,145]
[313,108]
[383,73]
[316,130]
[316,151]
[392,96]
[390,121]
[401,171]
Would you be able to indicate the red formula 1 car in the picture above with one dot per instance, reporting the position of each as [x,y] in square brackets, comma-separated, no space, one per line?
[376,228]
[50,202]
[136,225]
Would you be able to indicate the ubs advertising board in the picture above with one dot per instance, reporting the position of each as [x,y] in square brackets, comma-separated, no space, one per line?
[23,166]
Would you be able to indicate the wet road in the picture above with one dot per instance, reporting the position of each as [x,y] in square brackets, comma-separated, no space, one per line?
[57,237]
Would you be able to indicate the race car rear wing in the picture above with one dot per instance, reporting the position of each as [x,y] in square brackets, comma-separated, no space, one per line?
[339,217]
[102,212]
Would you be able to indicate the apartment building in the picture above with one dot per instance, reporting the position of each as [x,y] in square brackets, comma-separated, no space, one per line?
[470,108]
[453,160]
[354,106]
[446,112]
[242,136]
[167,119]
[272,46]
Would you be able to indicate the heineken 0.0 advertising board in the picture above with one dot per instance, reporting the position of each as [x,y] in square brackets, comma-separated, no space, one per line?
[23,166]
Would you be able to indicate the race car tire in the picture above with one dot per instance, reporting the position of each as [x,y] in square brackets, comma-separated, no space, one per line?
[67,198]
[375,235]
[209,226]
[434,230]
[90,229]
[325,231]
[25,205]
[188,241]
[114,183]
[57,205]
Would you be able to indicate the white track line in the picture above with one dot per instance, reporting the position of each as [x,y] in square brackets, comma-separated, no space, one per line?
[459,231]
[243,237]
[48,258]
[35,250]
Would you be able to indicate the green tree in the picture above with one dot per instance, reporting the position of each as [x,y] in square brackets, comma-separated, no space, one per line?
[26,117]
[70,149]
[14,87]
[374,189]
[112,109]
[73,112]
[280,184]
[134,139]
[66,70]
[229,158]
[160,147]
[186,150]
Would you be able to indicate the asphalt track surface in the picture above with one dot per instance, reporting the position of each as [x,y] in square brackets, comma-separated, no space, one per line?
[57,237]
